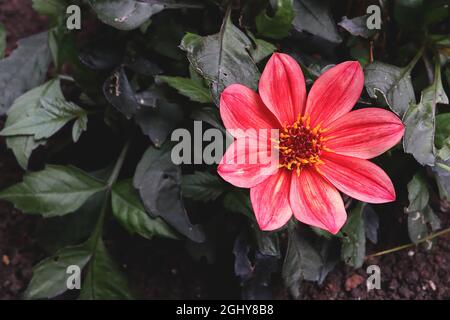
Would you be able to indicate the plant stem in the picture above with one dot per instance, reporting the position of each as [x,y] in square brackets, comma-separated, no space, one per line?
[105,206]
[409,245]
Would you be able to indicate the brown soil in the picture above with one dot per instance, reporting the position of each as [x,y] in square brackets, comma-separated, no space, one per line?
[164,269]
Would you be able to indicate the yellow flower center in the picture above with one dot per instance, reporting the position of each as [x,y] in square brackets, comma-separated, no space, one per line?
[300,145]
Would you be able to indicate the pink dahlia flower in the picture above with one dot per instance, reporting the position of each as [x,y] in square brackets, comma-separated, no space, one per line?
[322,146]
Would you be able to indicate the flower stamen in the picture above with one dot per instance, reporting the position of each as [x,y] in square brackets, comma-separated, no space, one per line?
[300,146]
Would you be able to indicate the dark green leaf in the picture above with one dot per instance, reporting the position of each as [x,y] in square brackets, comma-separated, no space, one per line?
[210,116]
[354,241]
[131,14]
[120,94]
[267,243]
[314,17]
[442,175]
[50,7]
[393,83]
[239,201]
[103,280]
[156,116]
[371,223]
[442,136]
[25,106]
[2,41]
[222,58]
[261,49]
[419,122]
[48,119]
[189,88]
[302,262]
[278,26]
[417,223]
[356,26]
[159,183]
[54,191]
[73,228]
[418,194]
[202,186]
[24,69]
[50,275]
[409,13]
[129,210]
[419,212]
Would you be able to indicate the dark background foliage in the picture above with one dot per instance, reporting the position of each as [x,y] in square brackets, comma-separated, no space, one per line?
[146,228]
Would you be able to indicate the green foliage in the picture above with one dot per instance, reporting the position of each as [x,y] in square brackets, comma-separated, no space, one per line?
[302,261]
[50,276]
[24,69]
[419,212]
[103,280]
[158,181]
[23,108]
[52,8]
[354,238]
[420,121]
[54,191]
[48,119]
[190,88]
[2,41]
[130,212]
[131,14]
[393,83]
[202,186]
[314,16]
[278,26]
[215,57]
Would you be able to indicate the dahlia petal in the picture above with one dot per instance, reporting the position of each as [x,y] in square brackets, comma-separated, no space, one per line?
[270,201]
[364,133]
[242,108]
[335,93]
[247,163]
[358,178]
[282,88]
[316,202]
